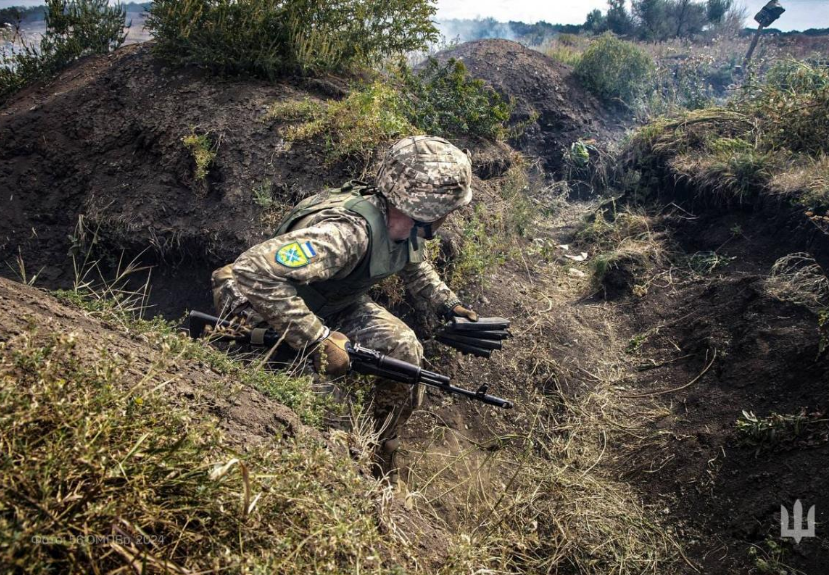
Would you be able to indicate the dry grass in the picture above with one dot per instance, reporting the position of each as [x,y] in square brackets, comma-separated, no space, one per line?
[799,279]
[629,240]
[548,499]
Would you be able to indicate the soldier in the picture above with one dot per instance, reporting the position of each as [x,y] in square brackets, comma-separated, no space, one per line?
[311,281]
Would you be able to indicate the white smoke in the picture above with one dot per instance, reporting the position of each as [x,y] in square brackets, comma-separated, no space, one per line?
[458,31]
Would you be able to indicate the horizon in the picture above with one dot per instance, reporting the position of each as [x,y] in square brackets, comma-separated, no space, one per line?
[800,15]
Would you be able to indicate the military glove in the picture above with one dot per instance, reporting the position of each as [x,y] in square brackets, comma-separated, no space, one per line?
[461,310]
[330,356]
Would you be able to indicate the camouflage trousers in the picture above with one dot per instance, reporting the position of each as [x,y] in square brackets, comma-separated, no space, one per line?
[363,322]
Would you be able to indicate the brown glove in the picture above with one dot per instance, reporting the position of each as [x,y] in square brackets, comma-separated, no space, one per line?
[461,311]
[330,356]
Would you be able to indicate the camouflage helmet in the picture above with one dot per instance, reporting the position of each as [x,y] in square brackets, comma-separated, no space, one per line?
[425,177]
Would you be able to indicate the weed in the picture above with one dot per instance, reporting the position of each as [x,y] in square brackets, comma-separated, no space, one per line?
[443,99]
[479,251]
[263,195]
[20,271]
[203,153]
[354,126]
[707,262]
[768,558]
[489,236]
[774,429]
[636,342]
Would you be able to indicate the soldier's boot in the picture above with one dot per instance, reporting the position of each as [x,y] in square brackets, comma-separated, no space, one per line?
[388,461]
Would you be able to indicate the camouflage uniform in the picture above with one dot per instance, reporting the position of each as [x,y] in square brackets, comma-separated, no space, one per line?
[331,245]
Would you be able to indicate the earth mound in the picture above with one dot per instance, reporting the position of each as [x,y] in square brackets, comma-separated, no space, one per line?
[557,110]
[95,160]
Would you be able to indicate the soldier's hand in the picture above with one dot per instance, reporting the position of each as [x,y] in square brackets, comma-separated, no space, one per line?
[461,310]
[330,356]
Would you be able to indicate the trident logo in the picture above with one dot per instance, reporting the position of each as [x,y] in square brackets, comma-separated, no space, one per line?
[797,531]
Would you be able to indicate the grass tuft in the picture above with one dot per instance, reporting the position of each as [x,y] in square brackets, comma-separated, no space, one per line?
[203,153]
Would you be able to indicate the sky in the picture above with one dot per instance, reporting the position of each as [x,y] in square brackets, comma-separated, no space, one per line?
[799,15]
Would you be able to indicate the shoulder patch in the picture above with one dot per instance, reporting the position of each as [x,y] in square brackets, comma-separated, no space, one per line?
[295,255]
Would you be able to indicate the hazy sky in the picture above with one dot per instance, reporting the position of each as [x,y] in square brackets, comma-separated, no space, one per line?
[800,14]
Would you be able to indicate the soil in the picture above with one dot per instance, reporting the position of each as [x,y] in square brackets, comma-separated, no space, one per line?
[542,87]
[101,145]
[727,494]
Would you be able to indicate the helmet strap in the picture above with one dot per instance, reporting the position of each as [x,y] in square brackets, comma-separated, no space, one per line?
[428,233]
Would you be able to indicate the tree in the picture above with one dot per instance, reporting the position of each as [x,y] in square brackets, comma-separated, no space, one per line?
[618,19]
[652,19]
[715,10]
[596,22]
[687,18]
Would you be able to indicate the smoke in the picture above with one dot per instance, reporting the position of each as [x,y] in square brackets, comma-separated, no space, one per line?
[478,29]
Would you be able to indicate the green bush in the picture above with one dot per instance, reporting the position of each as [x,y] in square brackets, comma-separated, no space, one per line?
[268,38]
[353,126]
[440,99]
[74,29]
[615,70]
[444,100]
[792,105]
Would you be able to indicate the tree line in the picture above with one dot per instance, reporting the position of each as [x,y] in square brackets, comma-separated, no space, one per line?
[656,20]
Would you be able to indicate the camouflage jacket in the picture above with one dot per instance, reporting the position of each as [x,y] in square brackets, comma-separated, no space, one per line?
[330,244]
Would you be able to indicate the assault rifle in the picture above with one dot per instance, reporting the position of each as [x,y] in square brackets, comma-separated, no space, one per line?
[363,360]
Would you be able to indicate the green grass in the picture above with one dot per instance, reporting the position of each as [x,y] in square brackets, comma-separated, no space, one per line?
[203,153]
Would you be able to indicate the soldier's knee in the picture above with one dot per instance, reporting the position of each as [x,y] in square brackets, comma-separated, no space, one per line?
[407,348]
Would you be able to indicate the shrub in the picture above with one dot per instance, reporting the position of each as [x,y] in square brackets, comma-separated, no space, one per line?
[74,29]
[444,100]
[792,104]
[353,126]
[268,38]
[440,99]
[614,69]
